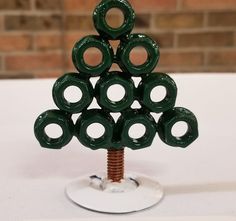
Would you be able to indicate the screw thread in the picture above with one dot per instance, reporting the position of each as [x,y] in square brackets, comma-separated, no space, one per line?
[115,165]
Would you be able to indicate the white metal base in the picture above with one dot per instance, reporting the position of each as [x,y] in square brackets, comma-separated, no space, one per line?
[136,192]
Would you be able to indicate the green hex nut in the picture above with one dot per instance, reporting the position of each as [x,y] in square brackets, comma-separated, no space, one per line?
[128,119]
[167,121]
[114,78]
[148,83]
[125,48]
[90,42]
[89,117]
[67,80]
[100,23]
[60,118]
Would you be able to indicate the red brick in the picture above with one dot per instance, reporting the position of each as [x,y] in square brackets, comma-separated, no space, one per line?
[178,20]
[142,21]
[153,5]
[14,4]
[222,58]
[1,23]
[19,42]
[36,23]
[209,4]
[220,69]
[218,19]
[72,37]
[114,45]
[48,5]
[48,41]
[138,57]
[206,39]
[79,22]
[181,59]
[138,5]
[69,64]
[0,62]
[15,75]
[80,5]
[40,61]
[91,58]
[164,40]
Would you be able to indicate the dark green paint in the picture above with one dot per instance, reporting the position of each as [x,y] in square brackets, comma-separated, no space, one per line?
[60,118]
[126,46]
[99,18]
[116,135]
[90,42]
[167,121]
[89,117]
[67,80]
[135,116]
[104,83]
[148,83]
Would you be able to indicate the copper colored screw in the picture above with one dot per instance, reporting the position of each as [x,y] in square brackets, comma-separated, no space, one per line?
[115,165]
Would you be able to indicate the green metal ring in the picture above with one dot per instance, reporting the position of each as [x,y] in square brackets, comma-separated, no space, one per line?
[90,42]
[89,117]
[129,118]
[104,83]
[54,117]
[167,121]
[99,18]
[125,48]
[67,80]
[148,83]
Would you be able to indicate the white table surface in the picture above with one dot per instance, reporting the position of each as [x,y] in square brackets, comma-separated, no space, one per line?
[198,181]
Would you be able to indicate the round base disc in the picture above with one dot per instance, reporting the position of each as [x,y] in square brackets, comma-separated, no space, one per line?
[136,192]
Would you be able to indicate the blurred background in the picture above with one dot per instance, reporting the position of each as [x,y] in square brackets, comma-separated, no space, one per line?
[37,36]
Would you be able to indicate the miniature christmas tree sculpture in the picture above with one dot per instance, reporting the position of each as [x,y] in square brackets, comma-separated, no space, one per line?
[116,136]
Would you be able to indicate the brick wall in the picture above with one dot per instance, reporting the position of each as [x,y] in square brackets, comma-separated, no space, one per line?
[36,36]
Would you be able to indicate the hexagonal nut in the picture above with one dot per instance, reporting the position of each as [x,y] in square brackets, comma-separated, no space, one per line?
[125,48]
[127,120]
[169,119]
[59,118]
[67,80]
[99,18]
[104,83]
[92,41]
[151,81]
[92,116]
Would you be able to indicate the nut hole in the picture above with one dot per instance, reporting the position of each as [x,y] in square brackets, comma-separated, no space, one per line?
[179,129]
[53,131]
[73,94]
[95,130]
[137,131]
[158,93]
[138,56]
[114,18]
[116,92]
[93,56]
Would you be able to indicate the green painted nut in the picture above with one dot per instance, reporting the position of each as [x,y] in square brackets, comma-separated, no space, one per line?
[127,120]
[67,80]
[100,23]
[85,43]
[103,85]
[59,118]
[125,48]
[151,81]
[89,117]
[169,119]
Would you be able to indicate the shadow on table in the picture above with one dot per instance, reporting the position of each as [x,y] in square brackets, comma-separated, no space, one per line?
[201,188]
